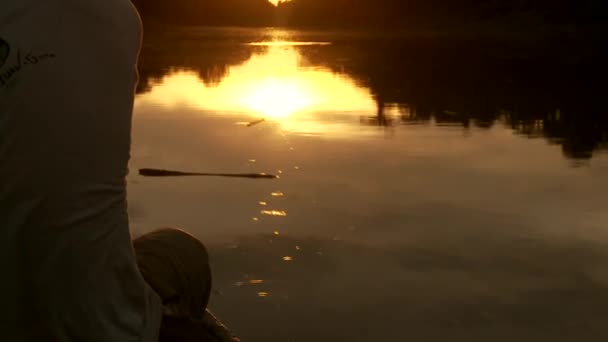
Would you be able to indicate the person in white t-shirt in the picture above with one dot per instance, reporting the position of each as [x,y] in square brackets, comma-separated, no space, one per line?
[67,81]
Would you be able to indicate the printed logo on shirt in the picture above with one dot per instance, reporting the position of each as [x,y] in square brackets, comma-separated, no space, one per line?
[4,51]
[9,70]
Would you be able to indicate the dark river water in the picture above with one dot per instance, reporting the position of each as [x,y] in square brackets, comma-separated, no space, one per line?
[430,189]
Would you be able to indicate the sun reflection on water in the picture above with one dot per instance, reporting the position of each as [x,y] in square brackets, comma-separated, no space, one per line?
[272,85]
[273,212]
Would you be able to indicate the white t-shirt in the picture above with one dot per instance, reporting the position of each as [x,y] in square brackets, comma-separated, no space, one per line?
[67,80]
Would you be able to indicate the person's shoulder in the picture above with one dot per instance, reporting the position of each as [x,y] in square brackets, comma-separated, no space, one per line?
[116,18]
[121,13]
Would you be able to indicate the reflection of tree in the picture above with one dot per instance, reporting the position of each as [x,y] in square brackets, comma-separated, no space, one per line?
[189,50]
[478,82]
[578,130]
[465,83]
[381,118]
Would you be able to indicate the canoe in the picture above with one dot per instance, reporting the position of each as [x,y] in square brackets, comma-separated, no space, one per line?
[208,329]
[217,329]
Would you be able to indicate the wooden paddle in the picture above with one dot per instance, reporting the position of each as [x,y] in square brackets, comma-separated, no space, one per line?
[169,173]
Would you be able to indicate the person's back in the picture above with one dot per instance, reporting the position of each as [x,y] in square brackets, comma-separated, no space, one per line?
[67,78]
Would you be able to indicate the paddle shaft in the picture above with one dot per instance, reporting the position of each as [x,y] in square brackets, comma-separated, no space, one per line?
[170,173]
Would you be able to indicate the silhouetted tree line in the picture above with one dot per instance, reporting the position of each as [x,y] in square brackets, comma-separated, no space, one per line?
[373,13]
[207,12]
[542,91]
[404,13]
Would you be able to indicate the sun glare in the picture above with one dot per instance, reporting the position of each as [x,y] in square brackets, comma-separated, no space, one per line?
[277,98]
